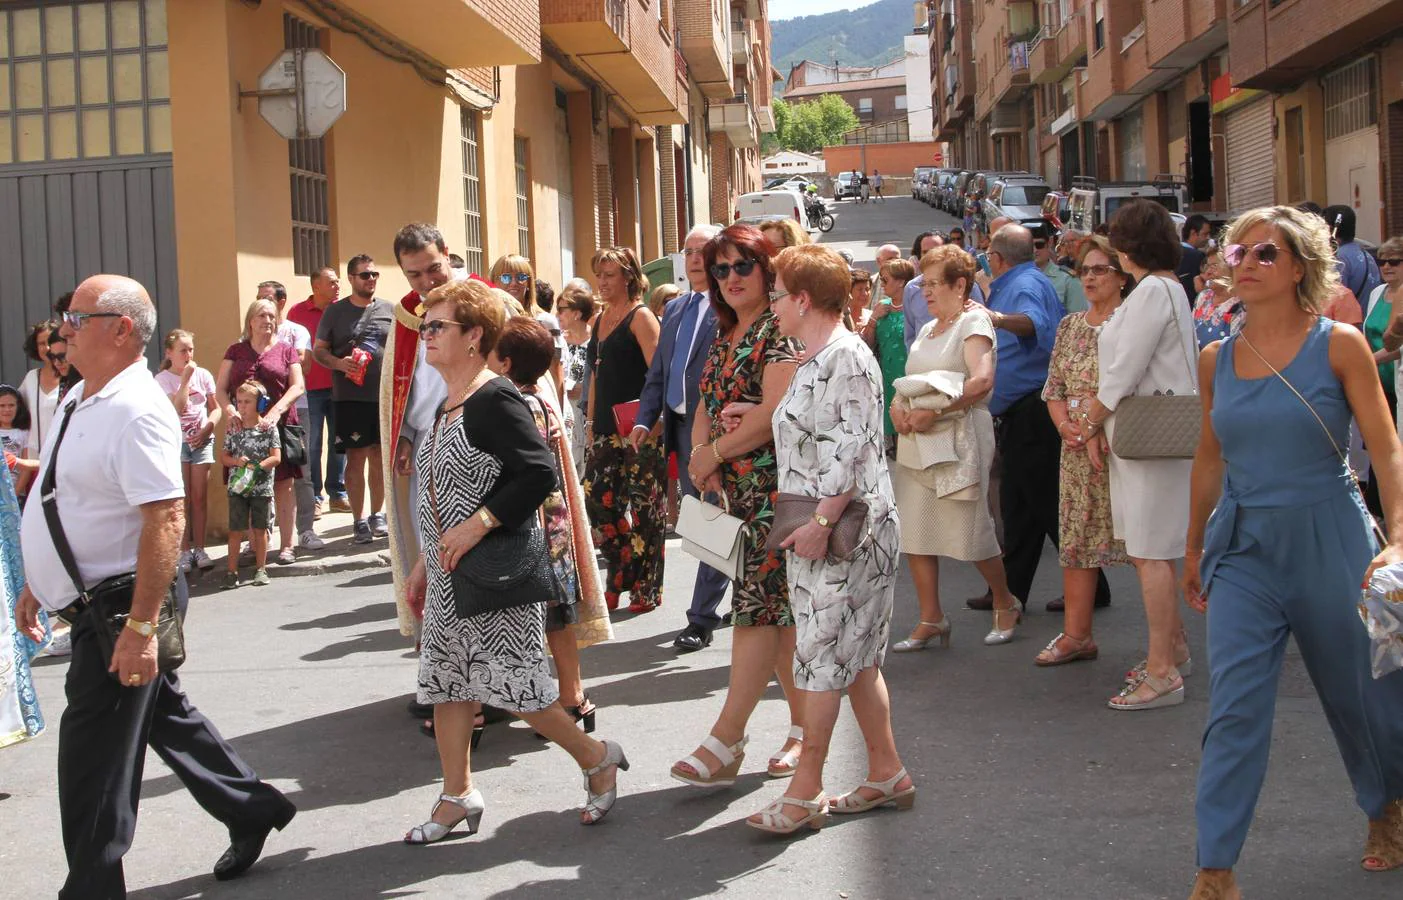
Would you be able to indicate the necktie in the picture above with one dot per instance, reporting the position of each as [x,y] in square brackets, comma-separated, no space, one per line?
[681,352]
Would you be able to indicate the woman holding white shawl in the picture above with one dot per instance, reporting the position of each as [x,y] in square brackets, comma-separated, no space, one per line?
[945,449]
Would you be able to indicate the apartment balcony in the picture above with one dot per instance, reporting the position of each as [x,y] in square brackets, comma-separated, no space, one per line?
[705,43]
[1056,50]
[436,28]
[737,120]
[1274,47]
[740,42]
[765,116]
[1185,33]
[1010,81]
[621,45]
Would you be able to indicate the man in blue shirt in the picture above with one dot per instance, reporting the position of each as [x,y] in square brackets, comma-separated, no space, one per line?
[1358,270]
[1024,308]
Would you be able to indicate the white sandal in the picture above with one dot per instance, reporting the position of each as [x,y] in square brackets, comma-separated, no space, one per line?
[785,764]
[432,832]
[729,758]
[773,819]
[853,802]
[597,806]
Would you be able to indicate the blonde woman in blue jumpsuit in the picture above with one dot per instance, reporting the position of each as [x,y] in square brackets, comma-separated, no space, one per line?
[1288,542]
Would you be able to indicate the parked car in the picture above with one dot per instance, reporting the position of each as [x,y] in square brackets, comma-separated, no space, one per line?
[959,194]
[949,188]
[1055,210]
[797,183]
[1093,203]
[1017,197]
[921,180]
[931,195]
[977,189]
[844,186]
[759,204]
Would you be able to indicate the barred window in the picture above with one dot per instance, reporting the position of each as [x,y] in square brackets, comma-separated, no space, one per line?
[1351,95]
[470,124]
[523,198]
[308,175]
[87,80]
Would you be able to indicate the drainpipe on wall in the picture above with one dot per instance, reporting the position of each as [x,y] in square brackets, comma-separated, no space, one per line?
[691,193]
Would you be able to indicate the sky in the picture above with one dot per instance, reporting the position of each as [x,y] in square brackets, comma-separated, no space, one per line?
[789,9]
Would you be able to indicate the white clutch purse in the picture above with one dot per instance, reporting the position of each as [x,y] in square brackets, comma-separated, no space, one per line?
[712,535]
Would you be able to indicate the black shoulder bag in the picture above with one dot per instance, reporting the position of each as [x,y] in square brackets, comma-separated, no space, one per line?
[109,604]
[509,567]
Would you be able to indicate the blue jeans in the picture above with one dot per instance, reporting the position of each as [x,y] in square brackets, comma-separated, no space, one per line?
[322,414]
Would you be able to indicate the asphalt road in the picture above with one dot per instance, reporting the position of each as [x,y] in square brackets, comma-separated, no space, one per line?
[1028,786]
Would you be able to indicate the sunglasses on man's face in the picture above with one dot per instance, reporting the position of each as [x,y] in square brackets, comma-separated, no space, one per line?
[508,278]
[1265,253]
[368,275]
[742,267]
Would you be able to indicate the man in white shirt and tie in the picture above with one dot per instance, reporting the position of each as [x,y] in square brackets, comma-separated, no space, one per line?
[670,395]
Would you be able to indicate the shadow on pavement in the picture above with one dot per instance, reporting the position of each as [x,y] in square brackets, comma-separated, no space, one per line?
[373,612]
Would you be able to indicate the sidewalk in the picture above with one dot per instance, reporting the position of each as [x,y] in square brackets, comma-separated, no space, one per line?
[339,555]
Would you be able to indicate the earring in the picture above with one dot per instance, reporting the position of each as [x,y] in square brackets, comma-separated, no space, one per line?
[803,312]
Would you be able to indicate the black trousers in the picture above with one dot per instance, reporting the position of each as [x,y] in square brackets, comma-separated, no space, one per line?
[1031,468]
[102,743]
[710,586]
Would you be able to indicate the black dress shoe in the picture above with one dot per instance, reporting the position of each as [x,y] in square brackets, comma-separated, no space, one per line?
[692,638]
[421,710]
[983,602]
[244,851]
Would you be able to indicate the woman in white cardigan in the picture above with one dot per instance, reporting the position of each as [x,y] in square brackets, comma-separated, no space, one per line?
[1147,347]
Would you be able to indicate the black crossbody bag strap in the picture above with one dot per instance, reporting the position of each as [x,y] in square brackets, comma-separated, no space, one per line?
[50,503]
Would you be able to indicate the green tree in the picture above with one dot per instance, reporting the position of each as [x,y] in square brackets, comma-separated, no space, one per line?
[812,125]
[770,143]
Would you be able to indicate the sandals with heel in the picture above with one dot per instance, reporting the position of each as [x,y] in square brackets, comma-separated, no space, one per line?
[853,802]
[432,832]
[728,759]
[785,763]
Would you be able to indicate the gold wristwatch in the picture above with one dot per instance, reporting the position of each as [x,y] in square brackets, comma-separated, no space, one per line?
[145,629]
[485,517]
[822,520]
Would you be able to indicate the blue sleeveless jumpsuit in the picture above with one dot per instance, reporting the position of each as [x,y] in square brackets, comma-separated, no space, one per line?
[1284,553]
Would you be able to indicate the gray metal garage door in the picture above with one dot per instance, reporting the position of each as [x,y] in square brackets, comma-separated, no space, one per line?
[62,223]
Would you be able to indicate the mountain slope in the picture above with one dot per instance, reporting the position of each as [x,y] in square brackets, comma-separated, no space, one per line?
[857,37]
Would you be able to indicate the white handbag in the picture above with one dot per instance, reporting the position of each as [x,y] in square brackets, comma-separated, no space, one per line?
[712,535]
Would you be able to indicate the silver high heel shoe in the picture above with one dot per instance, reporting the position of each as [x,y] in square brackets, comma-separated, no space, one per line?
[432,832]
[999,635]
[597,806]
[941,633]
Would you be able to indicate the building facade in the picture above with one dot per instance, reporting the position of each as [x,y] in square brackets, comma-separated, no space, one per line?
[560,126]
[875,93]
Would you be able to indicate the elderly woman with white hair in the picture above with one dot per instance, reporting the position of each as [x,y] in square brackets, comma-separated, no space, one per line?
[260,356]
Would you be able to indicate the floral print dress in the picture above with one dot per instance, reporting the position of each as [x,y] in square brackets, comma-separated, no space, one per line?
[1084,494]
[828,434]
[751,481]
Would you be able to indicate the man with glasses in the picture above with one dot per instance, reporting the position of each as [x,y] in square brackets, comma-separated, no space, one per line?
[671,393]
[321,420]
[351,339]
[1068,288]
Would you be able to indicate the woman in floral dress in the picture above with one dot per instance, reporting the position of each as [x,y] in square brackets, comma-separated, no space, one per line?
[1084,514]
[828,434]
[746,374]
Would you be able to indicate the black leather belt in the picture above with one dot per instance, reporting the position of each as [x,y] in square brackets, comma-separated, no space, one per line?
[73,611]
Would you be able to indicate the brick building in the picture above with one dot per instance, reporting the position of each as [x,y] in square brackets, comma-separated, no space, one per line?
[875,93]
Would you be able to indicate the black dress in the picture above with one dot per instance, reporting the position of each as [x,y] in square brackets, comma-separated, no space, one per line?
[493,456]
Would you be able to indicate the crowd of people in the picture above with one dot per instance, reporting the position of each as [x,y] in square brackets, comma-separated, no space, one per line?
[518,447]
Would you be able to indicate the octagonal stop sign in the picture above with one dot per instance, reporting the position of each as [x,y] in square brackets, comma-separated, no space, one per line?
[302,94]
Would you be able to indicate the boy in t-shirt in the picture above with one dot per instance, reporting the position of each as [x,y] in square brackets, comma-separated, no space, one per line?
[251,453]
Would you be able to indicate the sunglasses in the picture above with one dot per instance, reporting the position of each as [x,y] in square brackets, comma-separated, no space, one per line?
[508,278]
[75,320]
[1265,253]
[1100,271]
[434,327]
[57,357]
[776,296]
[1391,262]
[368,275]
[1040,244]
[742,267]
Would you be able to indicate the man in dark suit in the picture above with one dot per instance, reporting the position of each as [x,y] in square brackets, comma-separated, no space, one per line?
[671,395]
[1195,237]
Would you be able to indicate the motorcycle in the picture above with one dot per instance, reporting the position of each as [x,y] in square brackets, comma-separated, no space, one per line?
[819,216]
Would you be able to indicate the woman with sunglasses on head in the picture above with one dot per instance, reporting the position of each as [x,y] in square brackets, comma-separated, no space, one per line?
[626,490]
[1147,348]
[1087,541]
[1279,540]
[747,372]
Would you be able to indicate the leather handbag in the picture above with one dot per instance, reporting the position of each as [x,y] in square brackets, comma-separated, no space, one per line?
[109,604]
[712,535]
[1160,426]
[793,510]
[293,443]
[509,567]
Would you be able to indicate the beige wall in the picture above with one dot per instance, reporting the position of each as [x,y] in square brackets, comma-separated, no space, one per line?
[1311,100]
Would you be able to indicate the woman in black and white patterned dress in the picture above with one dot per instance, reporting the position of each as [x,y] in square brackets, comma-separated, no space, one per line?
[484,465]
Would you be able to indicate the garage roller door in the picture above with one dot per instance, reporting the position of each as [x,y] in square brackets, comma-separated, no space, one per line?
[1251,166]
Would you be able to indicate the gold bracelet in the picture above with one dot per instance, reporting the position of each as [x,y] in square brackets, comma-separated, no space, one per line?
[716,452]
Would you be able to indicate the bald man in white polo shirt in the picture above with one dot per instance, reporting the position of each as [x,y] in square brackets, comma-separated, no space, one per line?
[112,466]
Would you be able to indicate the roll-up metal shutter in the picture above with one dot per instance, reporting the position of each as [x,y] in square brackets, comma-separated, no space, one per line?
[1251,164]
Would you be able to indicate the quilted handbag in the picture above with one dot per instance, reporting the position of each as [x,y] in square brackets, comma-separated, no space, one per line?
[793,510]
[1159,426]
[712,535]
[508,567]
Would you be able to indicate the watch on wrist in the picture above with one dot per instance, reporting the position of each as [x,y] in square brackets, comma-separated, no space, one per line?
[822,520]
[145,629]
[485,517]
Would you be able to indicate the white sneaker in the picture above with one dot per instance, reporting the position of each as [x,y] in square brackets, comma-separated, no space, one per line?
[201,559]
[61,645]
[184,563]
[310,541]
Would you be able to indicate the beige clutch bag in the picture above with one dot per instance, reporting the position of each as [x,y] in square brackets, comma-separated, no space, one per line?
[793,510]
